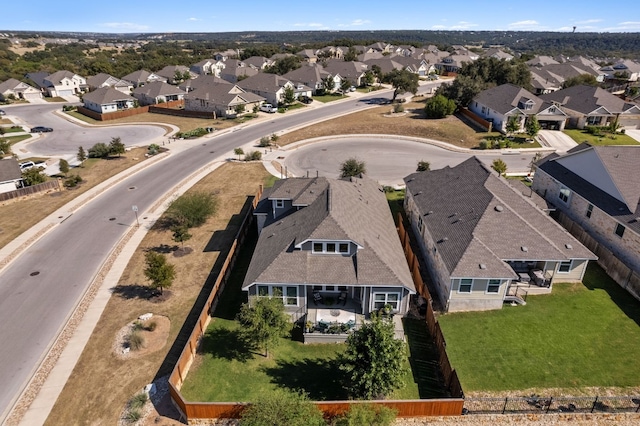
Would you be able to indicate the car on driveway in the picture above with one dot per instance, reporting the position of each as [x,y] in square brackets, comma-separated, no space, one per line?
[41,129]
[2,112]
[305,99]
[268,108]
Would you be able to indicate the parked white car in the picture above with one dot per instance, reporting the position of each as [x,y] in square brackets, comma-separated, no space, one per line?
[268,108]
[30,164]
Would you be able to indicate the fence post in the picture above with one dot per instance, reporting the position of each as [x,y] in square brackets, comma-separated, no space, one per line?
[505,405]
[593,407]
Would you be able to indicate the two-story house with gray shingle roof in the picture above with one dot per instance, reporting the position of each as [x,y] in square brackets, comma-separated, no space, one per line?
[18,90]
[484,242]
[64,83]
[142,77]
[105,80]
[269,86]
[329,248]
[311,76]
[598,187]
[505,102]
[107,99]
[351,71]
[176,73]
[593,106]
[158,92]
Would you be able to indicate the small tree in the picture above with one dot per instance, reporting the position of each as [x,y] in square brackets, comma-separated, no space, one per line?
[264,142]
[402,81]
[63,165]
[373,360]
[81,156]
[367,414]
[192,209]
[33,176]
[282,408]
[352,167]
[116,146]
[345,85]
[99,150]
[513,124]
[328,83]
[274,138]
[180,234]
[238,152]
[5,147]
[289,95]
[423,166]
[239,109]
[532,126]
[499,166]
[264,322]
[439,106]
[159,272]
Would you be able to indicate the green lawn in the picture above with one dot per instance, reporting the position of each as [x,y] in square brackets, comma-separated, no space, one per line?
[227,371]
[581,335]
[13,129]
[582,136]
[328,98]
[15,139]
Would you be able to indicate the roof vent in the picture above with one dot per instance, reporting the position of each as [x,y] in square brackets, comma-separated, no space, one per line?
[442,240]
[482,266]
[524,248]
[498,208]
[568,246]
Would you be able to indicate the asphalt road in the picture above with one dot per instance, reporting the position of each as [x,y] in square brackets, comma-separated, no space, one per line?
[68,136]
[387,159]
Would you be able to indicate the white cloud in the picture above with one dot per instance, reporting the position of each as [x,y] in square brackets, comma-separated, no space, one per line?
[628,26]
[194,19]
[588,21]
[463,25]
[438,27]
[125,26]
[524,25]
[316,25]
[358,22]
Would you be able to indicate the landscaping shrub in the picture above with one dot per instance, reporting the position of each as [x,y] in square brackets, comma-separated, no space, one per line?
[264,142]
[99,150]
[133,416]
[153,149]
[72,181]
[137,326]
[195,133]
[253,156]
[484,144]
[135,340]
[398,108]
[151,326]
[192,209]
[138,401]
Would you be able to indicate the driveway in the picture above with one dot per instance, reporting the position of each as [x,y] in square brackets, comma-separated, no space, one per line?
[634,133]
[556,139]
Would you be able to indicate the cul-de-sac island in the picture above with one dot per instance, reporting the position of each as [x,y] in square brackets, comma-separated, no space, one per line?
[320,227]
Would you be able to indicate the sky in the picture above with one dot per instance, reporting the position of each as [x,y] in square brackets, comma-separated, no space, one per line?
[133,16]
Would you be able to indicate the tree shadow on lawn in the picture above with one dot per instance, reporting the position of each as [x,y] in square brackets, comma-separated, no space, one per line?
[321,379]
[133,291]
[597,278]
[227,344]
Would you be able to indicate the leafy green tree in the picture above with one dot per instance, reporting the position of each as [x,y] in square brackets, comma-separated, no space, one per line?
[192,209]
[116,146]
[367,414]
[99,150]
[158,271]
[532,126]
[423,166]
[239,109]
[513,124]
[33,176]
[81,156]
[352,167]
[402,81]
[328,83]
[264,142]
[238,152]
[63,165]
[282,408]
[264,322]
[462,90]
[351,55]
[499,166]
[439,107]
[345,85]
[284,65]
[180,234]
[373,360]
[289,95]
[377,73]
[274,138]
[369,77]
[586,79]
[5,147]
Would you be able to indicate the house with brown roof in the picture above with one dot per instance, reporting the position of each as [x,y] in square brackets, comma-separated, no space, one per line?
[222,99]
[598,187]
[329,248]
[158,92]
[593,106]
[107,99]
[18,90]
[506,102]
[483,241]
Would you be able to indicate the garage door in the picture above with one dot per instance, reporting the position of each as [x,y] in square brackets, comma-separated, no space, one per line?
[632,122]
[63,93]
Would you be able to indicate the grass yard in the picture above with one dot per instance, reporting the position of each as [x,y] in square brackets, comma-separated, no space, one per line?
[582,136]
[580,336]
[226,371]
[15,139]
[20,215]
[101,383]
[328,98]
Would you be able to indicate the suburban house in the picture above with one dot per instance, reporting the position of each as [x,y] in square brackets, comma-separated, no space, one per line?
[624,69]
[351,71]
[107,99]
[236,70]
[208,66]
[598,187]
[221,99]
[142,77]
[484,242]
[499,54]
[308,55]
[258,62]
[329,248]
[60,83]
[16,89]
[549,78]
[204,80]
[499,104]
[10,175]
[593,106]
[158,92]
[105,80]
[269,86]
[311,76]
[175,74]
[453,63]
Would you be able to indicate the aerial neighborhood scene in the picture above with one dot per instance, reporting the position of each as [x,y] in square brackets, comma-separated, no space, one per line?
[409,214]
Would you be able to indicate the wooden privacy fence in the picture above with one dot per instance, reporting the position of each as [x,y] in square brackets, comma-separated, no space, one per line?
[52,185]
[451,381]
[486,125]
[166,106]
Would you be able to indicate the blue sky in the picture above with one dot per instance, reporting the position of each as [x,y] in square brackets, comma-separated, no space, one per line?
[119,16]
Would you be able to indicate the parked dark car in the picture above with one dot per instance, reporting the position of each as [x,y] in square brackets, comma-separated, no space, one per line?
[305,99]
[41,129]
[2,112]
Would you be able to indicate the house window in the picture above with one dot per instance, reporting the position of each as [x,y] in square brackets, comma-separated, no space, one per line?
[564,195]
[279,204]
[564,267]
[465,285]
[331,247]
[288,294]
[317,247]
[263,290]
[493,286]
[589,211]
[291,297]
[619,230]
[381,299]
[344,248]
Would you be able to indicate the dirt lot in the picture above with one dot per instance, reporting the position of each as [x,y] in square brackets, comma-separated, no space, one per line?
[102,382]
[452,129]
[21,214]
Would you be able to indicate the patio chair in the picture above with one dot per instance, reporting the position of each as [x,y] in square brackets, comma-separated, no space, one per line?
[343,298]
[317,297]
